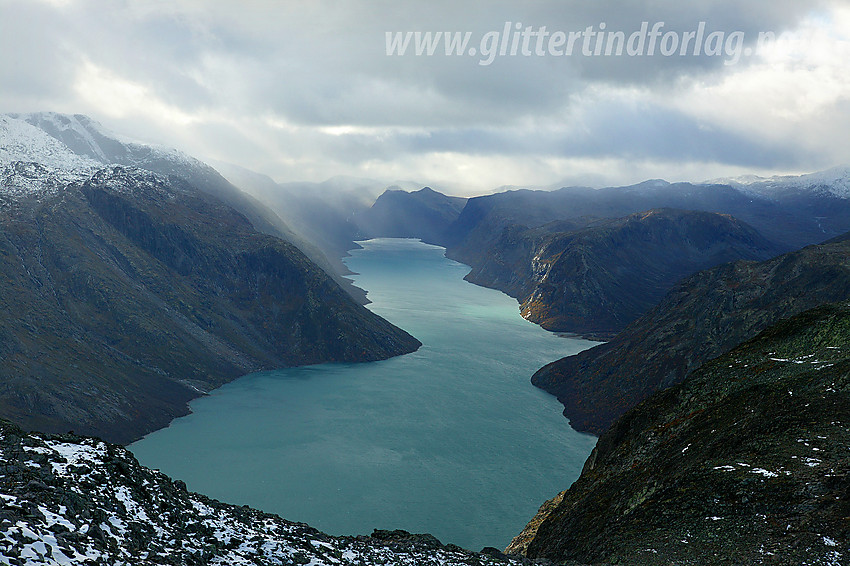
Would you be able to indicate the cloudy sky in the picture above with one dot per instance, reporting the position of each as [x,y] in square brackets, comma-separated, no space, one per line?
[306,91]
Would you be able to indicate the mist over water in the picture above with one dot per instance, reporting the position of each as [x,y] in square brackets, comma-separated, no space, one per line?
[452,439]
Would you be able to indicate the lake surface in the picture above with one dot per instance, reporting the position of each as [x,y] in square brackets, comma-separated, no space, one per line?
[451,440]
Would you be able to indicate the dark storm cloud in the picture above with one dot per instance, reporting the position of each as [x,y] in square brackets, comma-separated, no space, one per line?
[636,133]
[273,79]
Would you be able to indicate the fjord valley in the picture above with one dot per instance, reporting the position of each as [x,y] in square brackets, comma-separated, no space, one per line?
[138,279]
[721,401]
[701,282]
[565,252]
[345,283]
[417,442]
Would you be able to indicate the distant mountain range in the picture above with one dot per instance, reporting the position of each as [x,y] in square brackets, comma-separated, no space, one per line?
[128,291]
[833,182]
[787,223]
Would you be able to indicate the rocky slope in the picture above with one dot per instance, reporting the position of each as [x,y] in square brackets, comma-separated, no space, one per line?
[701,318]
[595,280]
[125,293]
[74,500]
[745,462]
[86,139]
[83,140]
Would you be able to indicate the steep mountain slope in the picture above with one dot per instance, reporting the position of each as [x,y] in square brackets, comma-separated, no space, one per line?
[595,280]
[703,317]
[73,500]
[425,214]
[745,462]
[88,139]
[85,139]
[321,213]
[126,293]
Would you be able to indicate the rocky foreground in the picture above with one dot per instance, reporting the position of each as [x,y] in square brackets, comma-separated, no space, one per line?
[745,462]
[68,499]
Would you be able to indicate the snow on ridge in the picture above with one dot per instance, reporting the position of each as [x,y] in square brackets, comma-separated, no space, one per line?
[835,181]
[40,153]
[52,122]
[89,136]
[20,141]
[32,163]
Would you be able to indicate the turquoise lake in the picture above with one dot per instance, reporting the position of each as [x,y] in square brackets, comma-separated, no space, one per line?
[452,440]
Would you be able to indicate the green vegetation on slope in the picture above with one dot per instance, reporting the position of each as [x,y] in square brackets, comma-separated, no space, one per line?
[745,462]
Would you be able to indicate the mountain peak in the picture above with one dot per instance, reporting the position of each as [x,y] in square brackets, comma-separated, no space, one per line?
[22,141]
[87,138]
[78,132]
[649,184]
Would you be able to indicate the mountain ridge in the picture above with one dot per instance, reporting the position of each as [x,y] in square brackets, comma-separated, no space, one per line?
[703,317]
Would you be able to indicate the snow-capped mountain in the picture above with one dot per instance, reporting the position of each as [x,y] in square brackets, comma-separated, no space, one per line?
[72,147]
[90,142]
[154,238]
[831,182]
[32,161]
[60,148]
